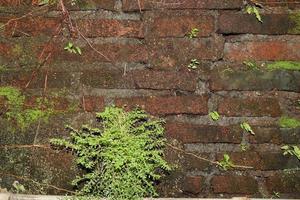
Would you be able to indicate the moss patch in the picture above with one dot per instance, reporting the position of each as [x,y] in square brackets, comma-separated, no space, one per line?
[284,65]
[295,23]
[287,122]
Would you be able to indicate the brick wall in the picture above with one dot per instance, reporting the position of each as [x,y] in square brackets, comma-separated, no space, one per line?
[137,54]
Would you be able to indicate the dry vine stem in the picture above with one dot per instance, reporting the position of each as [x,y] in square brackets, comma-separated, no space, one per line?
[205,159]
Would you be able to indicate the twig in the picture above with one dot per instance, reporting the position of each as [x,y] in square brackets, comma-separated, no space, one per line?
[44,184]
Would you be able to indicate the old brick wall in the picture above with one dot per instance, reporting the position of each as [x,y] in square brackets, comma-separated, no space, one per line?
[137,54]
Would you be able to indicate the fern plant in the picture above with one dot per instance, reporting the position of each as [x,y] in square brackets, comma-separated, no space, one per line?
[122,156]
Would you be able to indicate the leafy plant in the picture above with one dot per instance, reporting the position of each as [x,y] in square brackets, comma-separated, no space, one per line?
[193,33]
[71,48]
[291,150]
[18,187]
[214,115]
[193,64]
[254,10]
[284,65]
[122,156]
[245,126]
[226,163]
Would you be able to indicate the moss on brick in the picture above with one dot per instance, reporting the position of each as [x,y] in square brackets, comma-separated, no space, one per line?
[287,122]
[284,65]
[295,20]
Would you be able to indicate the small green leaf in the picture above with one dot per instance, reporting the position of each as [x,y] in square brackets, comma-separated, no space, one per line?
[214,115]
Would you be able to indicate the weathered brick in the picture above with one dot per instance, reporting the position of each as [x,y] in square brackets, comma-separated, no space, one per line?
[263,160]
[275,135]
[233,184]
[285,183]
[191,163]
[92,103]
[249,107]
[111,28]
[106,79]
[109,52]
[30,26]
[189,133]
[178,23]
[255,80]
[164,80]
[39,164]
[262,50]
[167,105]
[132,5]
[291,4]
[91,5]
[273,24]
[171,53]
[193,184]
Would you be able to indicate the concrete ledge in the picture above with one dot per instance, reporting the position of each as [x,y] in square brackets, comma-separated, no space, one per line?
[9,196]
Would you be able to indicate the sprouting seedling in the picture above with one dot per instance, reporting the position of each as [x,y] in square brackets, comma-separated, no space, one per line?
[214,115]
[245,126]
[243,146]
[193,33]
[71,48]
[193,64]
[254,10]
[250,64]
[226,163]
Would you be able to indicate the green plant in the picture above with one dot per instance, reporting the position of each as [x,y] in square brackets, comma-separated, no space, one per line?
[226,163]
[193,33]
[122,156]
[18,187]
[193,64]
[245,126]
[287,122]
[71,48]
[276,194]
[214,115]
[254,10]
[15,110]
[46,2]
[291,150]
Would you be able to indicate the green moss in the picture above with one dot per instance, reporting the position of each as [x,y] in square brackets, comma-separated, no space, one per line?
[284,65]
[18,115]
[287,122]
[294,18]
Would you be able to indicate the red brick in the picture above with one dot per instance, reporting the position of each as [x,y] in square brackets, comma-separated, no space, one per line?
[252,107]
[234,23]
[111,28]
[233,184]
[285,183]
[92,103]
[177,53]
[178,23]
[193,184]
[168,105]
[132,5]
[160,80]
[262,50]
[112,53]
[189,133]
[31,26]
